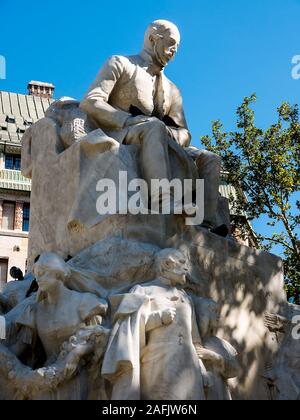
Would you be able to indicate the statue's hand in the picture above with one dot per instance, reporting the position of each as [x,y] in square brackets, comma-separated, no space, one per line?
[137,120]
[71,366]
[275,323]
[168,316]
[210,356]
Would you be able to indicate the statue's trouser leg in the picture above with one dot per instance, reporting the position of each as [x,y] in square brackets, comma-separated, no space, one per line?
[154,158]
[209,167]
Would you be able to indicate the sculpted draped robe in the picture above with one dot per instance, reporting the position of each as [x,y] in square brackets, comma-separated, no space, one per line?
[154,362]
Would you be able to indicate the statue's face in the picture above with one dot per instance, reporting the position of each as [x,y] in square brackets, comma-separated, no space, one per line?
[165,46]
[46,279]
[175,269]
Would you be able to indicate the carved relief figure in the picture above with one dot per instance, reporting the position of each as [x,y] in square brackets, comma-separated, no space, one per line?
[58,312]
[44,383]
[151,353]
[219,357]
[284,375]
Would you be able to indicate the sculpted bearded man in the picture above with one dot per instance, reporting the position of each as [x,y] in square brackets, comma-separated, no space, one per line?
[133,101]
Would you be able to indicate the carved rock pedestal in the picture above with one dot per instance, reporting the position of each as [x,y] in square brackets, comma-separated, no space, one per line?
[246,283]
[132,307]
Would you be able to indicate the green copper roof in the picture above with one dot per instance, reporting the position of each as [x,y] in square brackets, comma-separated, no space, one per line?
[17,113]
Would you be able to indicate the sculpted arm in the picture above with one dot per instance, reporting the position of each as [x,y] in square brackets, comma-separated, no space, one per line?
[178,130]
[95,102]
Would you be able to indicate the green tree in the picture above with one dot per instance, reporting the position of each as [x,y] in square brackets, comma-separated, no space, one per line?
[264,167]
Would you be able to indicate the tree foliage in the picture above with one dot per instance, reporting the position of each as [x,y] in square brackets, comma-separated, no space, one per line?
[264,166]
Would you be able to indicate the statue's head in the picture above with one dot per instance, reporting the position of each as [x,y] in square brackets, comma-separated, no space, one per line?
[162,39]
[208,315]
[172,266]
[49,270]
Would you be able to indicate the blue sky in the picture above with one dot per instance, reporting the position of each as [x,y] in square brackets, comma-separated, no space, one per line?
[229,49]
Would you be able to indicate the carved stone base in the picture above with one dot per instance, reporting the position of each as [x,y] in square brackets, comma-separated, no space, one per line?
[246,283]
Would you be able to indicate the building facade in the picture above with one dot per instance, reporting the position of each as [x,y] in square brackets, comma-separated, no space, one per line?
[17,113]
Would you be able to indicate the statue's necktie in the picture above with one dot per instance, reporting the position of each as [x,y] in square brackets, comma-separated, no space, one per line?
[159,99]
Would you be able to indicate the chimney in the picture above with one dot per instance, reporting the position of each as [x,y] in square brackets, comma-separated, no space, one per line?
[41,89]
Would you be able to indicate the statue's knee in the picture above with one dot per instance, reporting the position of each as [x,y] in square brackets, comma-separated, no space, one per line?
[213,156]
[207,156]
[156,124]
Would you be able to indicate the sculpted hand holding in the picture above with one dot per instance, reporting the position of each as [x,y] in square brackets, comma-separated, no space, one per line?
[168,316]
[210,356]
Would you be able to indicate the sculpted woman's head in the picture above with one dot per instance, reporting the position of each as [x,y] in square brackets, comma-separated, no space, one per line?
[162,39]
[49,270]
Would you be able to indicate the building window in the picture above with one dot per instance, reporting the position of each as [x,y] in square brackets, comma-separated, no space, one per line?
[8,215]
[3,272]
[13,162]
[26,216]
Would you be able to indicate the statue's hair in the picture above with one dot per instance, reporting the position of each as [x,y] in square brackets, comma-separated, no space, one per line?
[164,256]
[54,264]
[159,27]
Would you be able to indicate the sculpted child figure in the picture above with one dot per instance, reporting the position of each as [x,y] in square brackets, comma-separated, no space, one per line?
[219,357]
[283,374]
[151,354]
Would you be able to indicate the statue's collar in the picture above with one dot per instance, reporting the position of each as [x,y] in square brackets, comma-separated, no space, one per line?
[149,64]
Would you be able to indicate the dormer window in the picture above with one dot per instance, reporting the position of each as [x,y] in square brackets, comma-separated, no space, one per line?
[10,119]
[20,130]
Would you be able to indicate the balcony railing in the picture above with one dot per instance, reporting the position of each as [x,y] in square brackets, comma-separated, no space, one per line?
[14,180]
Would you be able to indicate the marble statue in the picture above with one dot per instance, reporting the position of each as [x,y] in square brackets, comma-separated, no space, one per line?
[157,322]
[135,103]
[283,374]
[58,380]
[130,120]
[219,357]
[121,306]
[56,314]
